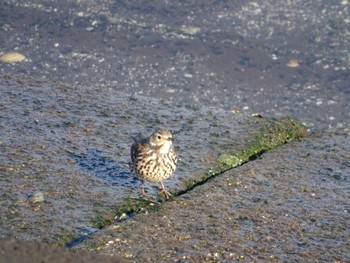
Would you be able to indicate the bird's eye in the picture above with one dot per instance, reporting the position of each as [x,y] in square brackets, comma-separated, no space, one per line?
[159,137]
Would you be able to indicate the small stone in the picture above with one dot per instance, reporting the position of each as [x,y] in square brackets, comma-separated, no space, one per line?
[191,30]
[12,57]
[188,75]
[37,197]
[257,115]
[293,63]
[235,111]
[122,217]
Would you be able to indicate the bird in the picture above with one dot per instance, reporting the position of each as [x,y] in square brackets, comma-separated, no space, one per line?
[153,159]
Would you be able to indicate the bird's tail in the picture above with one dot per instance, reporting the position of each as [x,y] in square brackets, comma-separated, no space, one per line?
[137,137]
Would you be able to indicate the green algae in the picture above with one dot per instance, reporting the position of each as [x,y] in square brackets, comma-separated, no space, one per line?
[229,160]
[123,211]
[63,238]
[273,133]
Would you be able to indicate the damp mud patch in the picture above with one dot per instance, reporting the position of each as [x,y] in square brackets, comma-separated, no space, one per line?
[64,157]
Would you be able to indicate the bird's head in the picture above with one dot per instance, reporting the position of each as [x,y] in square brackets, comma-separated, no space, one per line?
[163,139]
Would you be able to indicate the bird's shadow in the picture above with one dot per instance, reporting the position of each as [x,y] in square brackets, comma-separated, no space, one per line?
[105,168]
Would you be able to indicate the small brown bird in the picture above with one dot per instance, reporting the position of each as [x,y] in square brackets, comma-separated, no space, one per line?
[154,159]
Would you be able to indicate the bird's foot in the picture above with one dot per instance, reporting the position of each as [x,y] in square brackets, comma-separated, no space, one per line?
[146,196]
[165,193]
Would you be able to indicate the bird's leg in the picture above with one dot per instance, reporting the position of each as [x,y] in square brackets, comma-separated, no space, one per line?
[164,191]
[143,194]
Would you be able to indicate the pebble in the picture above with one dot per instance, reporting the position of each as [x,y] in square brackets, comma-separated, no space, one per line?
[37,197]
[12,57]
[293,63]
